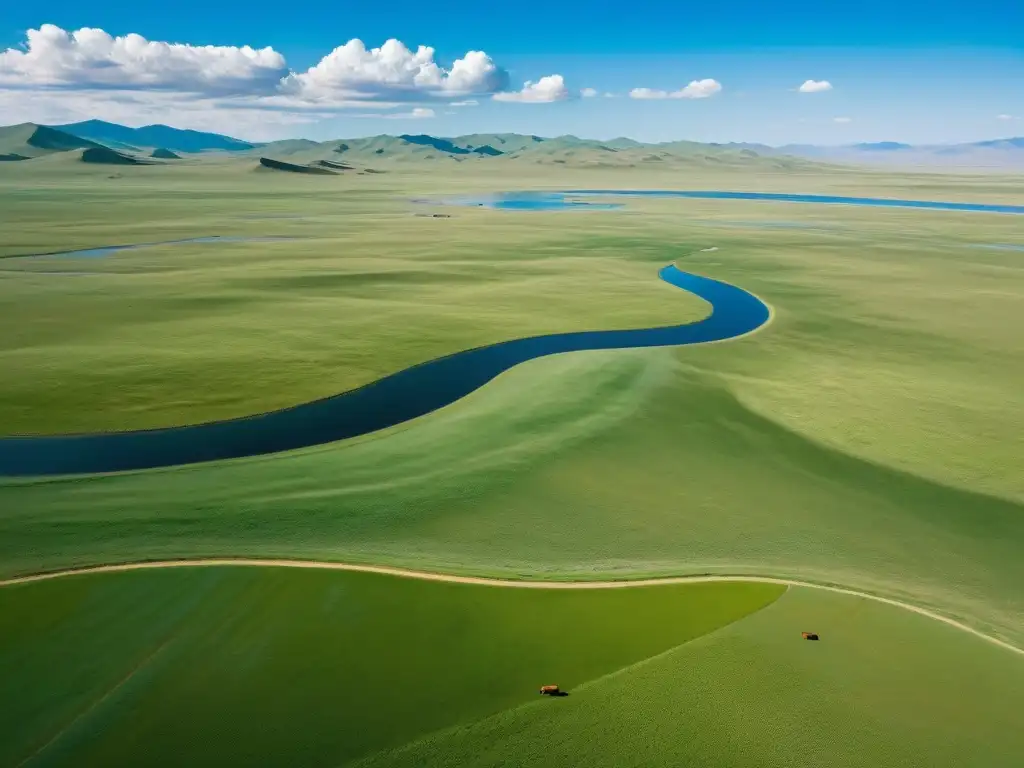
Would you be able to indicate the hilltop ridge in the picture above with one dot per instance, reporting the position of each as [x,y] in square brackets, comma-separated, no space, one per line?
[29,140]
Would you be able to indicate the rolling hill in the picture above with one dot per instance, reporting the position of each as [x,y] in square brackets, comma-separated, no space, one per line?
[561,150]
[28,140]
[107,156]
[998,153]
[163,136]
[319,168]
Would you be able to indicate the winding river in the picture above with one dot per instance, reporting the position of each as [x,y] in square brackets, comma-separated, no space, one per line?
[423,388]
[392,400]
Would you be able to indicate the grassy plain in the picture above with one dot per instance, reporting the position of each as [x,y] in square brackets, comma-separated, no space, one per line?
[883,687]
[274,666]
[870,436]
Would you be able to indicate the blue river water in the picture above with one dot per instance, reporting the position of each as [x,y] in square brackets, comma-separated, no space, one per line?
[92,253]
[566,200]
[531,201]
[1002,246]
[392,400]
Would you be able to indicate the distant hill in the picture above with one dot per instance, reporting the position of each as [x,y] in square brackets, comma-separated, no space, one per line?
[1007,154]
[28,140]
[508,147]
[163,136]
[882,146]
[266,163]
[1015,143]
[107,156]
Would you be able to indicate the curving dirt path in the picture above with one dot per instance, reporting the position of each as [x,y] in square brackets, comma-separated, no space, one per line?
[489,582]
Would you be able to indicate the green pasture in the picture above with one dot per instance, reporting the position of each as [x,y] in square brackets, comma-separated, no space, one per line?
[277,666]
[870,436]
[883,687]
[195,332]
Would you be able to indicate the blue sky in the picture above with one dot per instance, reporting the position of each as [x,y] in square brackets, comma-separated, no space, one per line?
[924,73]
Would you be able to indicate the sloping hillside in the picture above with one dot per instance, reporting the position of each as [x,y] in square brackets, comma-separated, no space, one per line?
[107,156]
[270,164]
[27,140]
[164,136]
[500,148]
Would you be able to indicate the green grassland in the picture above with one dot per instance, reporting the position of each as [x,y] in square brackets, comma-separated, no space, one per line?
[870,436]
[883,687]
[275,666]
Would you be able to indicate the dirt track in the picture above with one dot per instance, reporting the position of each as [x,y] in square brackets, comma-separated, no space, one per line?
[486,582]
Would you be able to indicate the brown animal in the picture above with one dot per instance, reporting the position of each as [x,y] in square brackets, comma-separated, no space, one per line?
[549,690]
[809,635]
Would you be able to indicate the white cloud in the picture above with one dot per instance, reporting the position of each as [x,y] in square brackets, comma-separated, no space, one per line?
[842,119]
[588,93]
[235,117]
[354,72]
[815,86]
[91,58]
[647,93]
[697,89]
[64,76]
[1005,117]
[418,113]
[700,89]
[547,89]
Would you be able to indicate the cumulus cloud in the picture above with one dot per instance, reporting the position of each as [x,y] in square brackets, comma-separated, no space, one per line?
[647,93]
[588,93]
[697,89]
[58,75]
[354,72]
[91,58]
[815,86]
[547,89]
[842,119]
[52,58]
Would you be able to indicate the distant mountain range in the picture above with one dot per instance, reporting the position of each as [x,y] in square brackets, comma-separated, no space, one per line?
[153,136]
[1007,154]
[164,143]
[161,144]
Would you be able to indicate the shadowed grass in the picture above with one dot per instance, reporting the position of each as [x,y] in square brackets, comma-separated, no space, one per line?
[881,687]
[272,666]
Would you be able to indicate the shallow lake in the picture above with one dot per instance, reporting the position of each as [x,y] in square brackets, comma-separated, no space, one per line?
[567,200]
